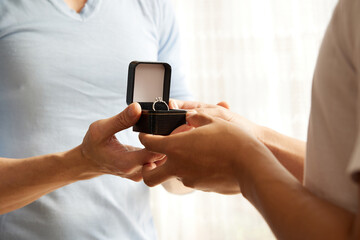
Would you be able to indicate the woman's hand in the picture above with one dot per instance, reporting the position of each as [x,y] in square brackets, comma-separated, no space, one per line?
[220,110]
[210,157]
[105,154]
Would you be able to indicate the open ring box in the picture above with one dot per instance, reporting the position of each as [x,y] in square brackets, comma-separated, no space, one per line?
[147,81]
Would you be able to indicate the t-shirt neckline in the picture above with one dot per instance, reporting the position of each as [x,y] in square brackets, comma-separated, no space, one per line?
[90,7]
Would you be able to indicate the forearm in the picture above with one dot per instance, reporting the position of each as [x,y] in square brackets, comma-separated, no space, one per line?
[291,211]
[22,181]
[290,152]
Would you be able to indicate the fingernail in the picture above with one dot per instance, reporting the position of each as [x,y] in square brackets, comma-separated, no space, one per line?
[175,105]
[160,156]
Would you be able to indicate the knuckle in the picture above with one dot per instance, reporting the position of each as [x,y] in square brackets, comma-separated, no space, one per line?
[94,126]
[94,130]
[206,118]
[122,121]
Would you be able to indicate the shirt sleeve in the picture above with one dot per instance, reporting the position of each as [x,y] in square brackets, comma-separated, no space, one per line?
[353,167]
[354,164]
[170,50]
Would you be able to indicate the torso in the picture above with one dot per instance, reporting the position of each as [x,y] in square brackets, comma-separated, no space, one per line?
[60,71]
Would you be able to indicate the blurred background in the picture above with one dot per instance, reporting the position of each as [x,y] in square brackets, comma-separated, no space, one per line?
[259,56]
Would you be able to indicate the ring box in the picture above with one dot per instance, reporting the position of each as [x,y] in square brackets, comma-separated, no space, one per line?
[148,81]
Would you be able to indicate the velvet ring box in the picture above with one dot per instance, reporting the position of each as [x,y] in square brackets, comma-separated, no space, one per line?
[147,82]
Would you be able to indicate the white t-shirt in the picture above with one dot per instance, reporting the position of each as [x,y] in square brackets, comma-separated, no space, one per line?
[60,71]
[333,150]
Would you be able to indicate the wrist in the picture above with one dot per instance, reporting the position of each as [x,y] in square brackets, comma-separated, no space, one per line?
[252,168]
[269,138]
[77,165]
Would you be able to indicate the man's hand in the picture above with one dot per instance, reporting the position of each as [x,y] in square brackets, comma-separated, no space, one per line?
[107,155]
[22,181]
[204,158]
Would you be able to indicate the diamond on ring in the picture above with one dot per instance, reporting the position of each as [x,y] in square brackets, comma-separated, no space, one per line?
[159,100]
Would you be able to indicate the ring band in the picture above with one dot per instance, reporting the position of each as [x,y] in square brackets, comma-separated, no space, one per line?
[159,100]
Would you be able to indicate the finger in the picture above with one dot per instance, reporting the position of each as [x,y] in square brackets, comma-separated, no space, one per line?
[192,104]
[140,157]
[198,119]
[173,104]
[149,166]
[154,143]
[155,176]
[182,128]
[224,104]
[160,162]
[216,112]
[152,165]
[127,118]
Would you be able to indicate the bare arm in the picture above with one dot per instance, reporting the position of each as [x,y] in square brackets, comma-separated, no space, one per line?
[22,181]
[291,210]
[290,152]
[226,158]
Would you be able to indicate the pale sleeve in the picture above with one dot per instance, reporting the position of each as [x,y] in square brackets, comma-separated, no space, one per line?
[353,168]
[354,165]
[170,50]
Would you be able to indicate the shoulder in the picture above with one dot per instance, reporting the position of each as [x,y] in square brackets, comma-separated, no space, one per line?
[16,12]
[344,23]
[157,6]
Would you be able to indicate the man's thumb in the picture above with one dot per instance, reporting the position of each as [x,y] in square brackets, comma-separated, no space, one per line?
[127,118]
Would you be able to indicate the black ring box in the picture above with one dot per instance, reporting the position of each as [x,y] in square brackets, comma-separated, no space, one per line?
[146,82]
